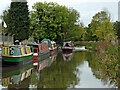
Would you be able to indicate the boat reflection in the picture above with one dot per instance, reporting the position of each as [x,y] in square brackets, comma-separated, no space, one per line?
[15,75]
[20,76]
[39,65]
[35,77]
[67,56]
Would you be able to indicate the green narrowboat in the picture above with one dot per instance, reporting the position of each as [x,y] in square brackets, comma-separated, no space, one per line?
[16,54]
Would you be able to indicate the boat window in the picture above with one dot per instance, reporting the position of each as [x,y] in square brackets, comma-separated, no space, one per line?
[22,51]
[27,50]
[5,51]
[67,45]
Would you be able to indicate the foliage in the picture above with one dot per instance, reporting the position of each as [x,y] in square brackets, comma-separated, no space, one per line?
[88,36]
[100,28]
[90,46]
[76,34]
[50,20]
[105,65]
[117,28]
[105,31]
[61,73]
[17,20]
[0,27]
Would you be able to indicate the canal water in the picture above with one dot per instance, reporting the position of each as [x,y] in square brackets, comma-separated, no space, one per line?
[60,70]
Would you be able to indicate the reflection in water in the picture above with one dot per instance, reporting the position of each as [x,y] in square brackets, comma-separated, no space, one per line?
[67,56]
[15,75]
[24,76]
[87,80]
[100,72]
[81,71]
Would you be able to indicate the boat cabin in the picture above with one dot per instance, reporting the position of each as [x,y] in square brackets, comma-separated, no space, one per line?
[15,50]
[39,48]
[51,44]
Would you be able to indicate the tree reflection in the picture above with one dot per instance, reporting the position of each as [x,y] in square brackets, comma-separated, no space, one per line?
[105,65]
[61,73]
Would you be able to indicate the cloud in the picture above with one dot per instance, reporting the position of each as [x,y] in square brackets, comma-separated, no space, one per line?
[86,8]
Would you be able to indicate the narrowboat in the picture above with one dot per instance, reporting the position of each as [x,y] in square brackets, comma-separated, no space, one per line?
[51,44]
[16,55]
[40,50]
[67,46]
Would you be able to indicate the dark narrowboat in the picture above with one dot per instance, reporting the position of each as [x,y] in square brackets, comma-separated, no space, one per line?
[67,46]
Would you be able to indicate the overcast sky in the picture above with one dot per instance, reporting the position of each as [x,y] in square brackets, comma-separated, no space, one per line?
[86,8]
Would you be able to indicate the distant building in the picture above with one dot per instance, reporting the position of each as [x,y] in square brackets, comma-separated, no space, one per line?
[119,11]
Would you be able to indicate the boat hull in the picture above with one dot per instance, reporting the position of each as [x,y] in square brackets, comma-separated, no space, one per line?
[67,49]
[43,56]
[6,61]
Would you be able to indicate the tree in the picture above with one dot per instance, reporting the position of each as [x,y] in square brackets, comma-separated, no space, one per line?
[117,28]
[17,20]
[76,34]
[50,20]
[0,27]
[88,34]
[101,26]
[46,21]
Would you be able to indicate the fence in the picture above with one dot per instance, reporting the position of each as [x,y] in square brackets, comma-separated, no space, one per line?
[29,41]
[6,40]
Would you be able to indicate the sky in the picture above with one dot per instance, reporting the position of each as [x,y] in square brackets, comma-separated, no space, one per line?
[86,8]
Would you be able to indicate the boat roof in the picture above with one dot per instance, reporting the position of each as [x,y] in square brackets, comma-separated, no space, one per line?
[16,46]
[66,42]
[37,44]
[46,40]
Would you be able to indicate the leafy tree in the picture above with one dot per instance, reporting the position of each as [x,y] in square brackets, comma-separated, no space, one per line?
[106,31]
[117,28]
[76,34]
[101,26]
[17,20]
[88,34]
[50,20]
[0,27]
